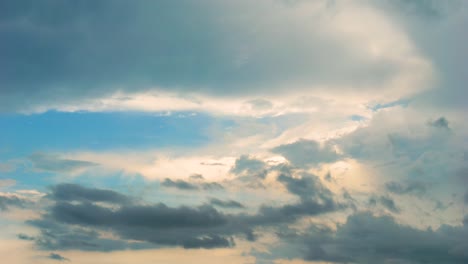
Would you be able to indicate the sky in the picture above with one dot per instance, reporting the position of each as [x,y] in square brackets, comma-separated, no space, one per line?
[251,132]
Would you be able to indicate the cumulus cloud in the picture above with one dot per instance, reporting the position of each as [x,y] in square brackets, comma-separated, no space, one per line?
[304,153]
[387,202]
[12,200]
[366,238]
[77,217]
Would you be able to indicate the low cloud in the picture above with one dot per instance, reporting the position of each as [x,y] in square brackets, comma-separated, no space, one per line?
[58,257]
[77,217]
[305,153]
[366,238]
[226,203]
[185,185]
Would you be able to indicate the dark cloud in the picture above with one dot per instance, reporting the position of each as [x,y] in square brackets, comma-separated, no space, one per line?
[58,257]
[196,177]
[72,51]
[366,238]
[13,201]
[179,184]
[25,237]
[466,198]
[412,187]
[46,162]
[55,235]
[249,166]
[314,199]
[387,202]
[75,192]
[73,222]
[305,153]
[226,204]
[185,185]
[441,122]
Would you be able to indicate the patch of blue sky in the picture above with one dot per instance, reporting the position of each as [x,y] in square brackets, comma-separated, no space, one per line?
[357,118]
[21,135]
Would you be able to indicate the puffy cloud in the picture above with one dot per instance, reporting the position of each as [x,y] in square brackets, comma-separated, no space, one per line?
[303,153]
[441,122]
[366,238]
[78,216]
[58,257]
[387,202]
[11,200]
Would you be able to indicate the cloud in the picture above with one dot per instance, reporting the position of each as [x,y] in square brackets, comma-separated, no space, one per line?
[58,257]
[366,238]
[304,153]
[184,185]
[387,202]
[441,122]
[249,166]
[412,188]
[53,163]
[75,192]
[11,200]
[77,219]
[226,204]
[208,49]
[179,184]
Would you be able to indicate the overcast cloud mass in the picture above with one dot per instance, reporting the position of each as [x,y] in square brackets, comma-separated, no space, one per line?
[253,132]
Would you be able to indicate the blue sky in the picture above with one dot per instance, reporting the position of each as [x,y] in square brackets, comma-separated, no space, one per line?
[266,132]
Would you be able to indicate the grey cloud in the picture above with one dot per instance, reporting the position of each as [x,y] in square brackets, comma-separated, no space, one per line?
[441,122]
[196,177]
[412,187]
[86,50]
[55,235]
[303,153]
[226,204]
[466,198]
[25,237]
[366,238]
[184,185]
[249,166]
[54,163]
[179,184]
[72,222]
[58,257]
[13,201]
[387,202]
[75,192]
